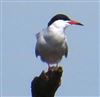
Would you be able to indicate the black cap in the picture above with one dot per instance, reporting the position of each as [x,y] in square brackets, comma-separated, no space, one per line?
[58,17]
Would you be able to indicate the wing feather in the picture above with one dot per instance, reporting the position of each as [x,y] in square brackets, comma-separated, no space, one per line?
[66,50]
[36,47]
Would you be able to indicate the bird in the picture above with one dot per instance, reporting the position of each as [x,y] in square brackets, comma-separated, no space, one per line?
[51,44]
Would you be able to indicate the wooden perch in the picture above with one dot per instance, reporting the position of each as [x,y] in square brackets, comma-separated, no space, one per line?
[47,83]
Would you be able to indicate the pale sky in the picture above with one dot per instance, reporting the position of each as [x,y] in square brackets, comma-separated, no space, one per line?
[20,23]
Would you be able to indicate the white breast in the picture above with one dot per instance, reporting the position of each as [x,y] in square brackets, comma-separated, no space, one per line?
[51,45]
[55,36]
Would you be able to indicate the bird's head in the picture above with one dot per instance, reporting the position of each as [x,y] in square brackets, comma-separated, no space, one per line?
[62,21]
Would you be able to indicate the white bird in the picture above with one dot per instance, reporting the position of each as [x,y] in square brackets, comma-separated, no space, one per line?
[51,43]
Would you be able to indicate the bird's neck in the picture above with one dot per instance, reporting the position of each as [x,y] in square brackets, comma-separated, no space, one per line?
[55,35]
[57,30]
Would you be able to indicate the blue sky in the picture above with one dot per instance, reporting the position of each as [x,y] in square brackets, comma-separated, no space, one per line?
[20,23]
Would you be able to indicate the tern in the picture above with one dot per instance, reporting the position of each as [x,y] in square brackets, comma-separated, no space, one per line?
[51,43]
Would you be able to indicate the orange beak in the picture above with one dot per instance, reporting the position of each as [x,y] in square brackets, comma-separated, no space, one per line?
[72,22]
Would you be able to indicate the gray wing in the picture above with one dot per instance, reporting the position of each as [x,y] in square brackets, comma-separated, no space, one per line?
[40,40]
[66,50]
[37,51]
[36,47]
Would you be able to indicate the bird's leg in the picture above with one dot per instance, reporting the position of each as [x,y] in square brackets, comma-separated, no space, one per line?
[57,65]
[48,67]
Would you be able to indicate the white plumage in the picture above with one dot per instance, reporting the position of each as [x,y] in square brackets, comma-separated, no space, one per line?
[51,43]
